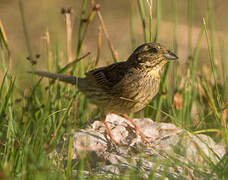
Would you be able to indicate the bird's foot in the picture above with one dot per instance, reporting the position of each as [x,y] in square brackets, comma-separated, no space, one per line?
[109,133]
[138,131]
[143,137]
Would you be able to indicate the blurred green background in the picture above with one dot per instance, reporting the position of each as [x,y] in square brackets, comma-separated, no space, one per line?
[45,15]
[35,115]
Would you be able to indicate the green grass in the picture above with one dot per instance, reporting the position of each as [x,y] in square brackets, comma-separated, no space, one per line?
[33,122]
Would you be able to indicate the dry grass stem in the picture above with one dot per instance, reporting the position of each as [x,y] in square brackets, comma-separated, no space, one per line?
[4,42]
[178,101]
[76,61]
[113,51]
[47,46]
[99,44]
[150,4]
[25,29]
[3,33]
[68,15]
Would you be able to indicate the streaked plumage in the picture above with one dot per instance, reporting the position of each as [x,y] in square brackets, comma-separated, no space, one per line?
[123,87]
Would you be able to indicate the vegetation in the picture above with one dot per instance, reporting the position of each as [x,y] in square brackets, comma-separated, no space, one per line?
[33,121]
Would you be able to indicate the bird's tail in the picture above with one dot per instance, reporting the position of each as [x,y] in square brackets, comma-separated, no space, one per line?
[60,77]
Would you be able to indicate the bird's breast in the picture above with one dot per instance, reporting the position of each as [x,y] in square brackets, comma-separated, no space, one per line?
[130,95]
[137,92]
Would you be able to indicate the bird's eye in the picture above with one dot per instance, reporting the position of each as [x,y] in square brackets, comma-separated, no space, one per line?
[153,50]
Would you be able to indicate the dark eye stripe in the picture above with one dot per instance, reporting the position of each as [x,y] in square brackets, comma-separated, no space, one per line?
[153,50]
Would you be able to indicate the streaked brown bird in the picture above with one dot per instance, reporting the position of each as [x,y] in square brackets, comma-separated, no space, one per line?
[123,87]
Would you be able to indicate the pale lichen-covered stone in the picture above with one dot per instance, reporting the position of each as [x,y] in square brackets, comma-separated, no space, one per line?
[174,152]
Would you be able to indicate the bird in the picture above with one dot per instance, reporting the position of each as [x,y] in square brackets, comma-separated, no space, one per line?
[123,87]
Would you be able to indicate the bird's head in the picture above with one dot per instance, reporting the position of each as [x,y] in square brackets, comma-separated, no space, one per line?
[151,56]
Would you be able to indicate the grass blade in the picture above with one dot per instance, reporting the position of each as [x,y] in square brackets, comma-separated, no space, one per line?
[143,19]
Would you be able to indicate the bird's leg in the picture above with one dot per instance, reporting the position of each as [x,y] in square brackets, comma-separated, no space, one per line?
[137,130]
[108,131]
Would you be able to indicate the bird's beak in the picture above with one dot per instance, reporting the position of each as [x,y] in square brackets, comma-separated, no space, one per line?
[170,55]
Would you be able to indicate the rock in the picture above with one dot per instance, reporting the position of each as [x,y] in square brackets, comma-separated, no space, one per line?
[174,153]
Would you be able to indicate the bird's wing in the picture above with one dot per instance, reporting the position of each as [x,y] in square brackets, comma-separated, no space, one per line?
[107,77]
